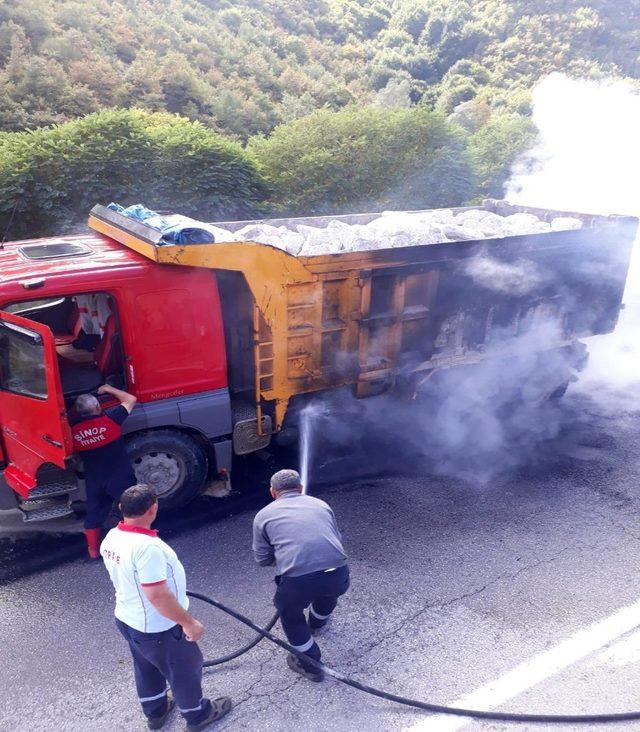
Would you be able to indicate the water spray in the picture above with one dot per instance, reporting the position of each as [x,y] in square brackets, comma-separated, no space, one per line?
[305,447]
[309,417]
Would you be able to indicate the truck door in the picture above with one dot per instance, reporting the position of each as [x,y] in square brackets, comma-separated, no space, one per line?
[32,414]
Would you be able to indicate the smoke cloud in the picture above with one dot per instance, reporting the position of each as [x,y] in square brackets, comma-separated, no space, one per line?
[478,421]
[588,153]
[588,159]
[515,278]
[471,422]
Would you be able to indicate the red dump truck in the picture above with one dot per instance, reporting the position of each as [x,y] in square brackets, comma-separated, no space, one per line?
[222,342]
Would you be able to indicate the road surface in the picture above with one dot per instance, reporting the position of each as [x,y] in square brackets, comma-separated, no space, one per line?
[509,595]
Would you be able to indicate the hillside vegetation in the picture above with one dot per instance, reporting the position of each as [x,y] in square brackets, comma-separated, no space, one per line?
[245,66]
[230,109]
[51,177]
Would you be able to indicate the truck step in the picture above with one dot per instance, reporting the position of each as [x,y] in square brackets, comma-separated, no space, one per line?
[50,490]
[245,428]
[246,438]
[44,509]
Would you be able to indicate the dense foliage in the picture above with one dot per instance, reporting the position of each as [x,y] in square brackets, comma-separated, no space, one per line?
[366,159]
[51,177]
[234,108]
[495,141]
[246,66]
[361,158]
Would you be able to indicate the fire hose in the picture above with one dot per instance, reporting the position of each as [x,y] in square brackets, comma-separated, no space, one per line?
[416,703]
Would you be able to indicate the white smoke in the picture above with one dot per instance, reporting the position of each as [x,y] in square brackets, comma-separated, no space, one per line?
[517,278]
[588,160]
[497,415]
[588,156]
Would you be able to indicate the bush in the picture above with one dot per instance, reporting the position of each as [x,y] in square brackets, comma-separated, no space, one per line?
[54,175]
[494,148]
[369,158]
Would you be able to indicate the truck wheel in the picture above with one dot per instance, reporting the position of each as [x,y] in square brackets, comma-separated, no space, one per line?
[171,462]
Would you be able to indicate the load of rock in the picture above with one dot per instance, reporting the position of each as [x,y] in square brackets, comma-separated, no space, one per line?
[394,229]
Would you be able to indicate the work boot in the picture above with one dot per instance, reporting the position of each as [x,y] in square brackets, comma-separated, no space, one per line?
[93,537]
[294,663]
[220,707]
[158,722]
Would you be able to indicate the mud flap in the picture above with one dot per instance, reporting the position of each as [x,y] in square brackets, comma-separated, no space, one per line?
[246,438]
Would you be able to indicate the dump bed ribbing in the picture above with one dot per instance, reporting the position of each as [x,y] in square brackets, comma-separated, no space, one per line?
[358,317]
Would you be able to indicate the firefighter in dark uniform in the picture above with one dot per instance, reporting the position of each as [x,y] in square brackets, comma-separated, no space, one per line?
[299,535]
[97,437]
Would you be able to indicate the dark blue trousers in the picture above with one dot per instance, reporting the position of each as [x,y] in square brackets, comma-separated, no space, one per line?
[318,591]
[102,494]
[167,658]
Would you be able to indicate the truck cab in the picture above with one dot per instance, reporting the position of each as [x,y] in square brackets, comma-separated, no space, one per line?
[80,311]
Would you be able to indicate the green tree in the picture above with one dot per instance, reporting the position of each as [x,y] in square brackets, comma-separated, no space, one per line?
[365,158]
[471,115]
[54,175]
[142,83]
[192,56]
[495,146]
[411,16]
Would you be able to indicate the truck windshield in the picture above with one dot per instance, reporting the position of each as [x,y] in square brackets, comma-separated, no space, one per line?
[22,362]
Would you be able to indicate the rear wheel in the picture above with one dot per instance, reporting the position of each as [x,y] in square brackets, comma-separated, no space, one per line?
[171,462]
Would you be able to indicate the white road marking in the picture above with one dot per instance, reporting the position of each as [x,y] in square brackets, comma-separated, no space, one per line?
[535,670]
[623,653]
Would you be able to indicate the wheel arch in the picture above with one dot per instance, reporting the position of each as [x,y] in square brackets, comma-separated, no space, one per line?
[205,417]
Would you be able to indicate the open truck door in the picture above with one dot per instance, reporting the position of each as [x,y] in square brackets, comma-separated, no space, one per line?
[33,418]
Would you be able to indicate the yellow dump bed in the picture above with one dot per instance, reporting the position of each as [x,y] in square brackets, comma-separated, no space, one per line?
[363,317]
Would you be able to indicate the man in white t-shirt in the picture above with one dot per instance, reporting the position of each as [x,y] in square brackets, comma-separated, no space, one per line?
[151,613]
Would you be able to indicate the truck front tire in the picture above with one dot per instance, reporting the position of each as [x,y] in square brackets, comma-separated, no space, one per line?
[172,462]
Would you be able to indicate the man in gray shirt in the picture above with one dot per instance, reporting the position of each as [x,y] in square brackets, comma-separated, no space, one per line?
[299,535]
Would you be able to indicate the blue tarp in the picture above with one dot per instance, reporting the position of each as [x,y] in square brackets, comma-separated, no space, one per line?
[186,231]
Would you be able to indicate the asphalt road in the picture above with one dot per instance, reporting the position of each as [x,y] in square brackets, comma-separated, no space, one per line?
[454,585]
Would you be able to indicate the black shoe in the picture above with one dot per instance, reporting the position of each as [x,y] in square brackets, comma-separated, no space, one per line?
[316,623]
[158,722]
[293,662]
[219,708]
